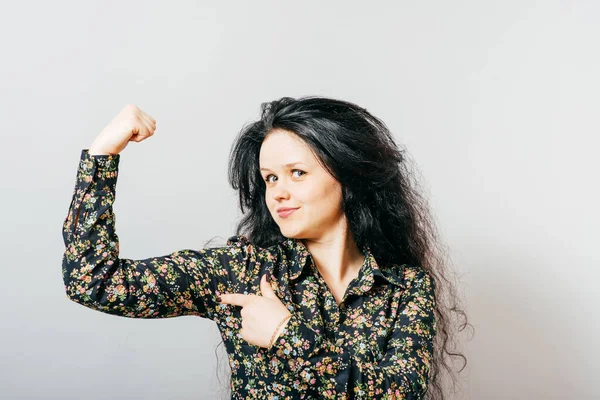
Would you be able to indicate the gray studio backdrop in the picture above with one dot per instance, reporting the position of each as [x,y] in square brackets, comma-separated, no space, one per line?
[496,101]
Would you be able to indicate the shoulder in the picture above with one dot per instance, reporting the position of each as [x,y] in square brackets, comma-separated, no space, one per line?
[406,275]
[416,277]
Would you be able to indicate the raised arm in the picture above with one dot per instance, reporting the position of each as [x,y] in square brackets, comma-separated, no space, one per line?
[334,373]
[181,283]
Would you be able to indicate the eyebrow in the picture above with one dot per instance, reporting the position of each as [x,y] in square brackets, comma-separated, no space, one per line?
[286,165]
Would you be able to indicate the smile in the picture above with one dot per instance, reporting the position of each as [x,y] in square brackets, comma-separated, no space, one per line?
[286,213]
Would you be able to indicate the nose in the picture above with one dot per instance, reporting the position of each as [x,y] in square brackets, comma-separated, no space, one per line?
[280,192]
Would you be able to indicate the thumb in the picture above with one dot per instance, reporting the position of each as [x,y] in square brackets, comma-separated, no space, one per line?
[265,287]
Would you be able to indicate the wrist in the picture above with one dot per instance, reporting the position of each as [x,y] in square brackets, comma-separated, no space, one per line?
[94,151]
[97,149]
[279,329]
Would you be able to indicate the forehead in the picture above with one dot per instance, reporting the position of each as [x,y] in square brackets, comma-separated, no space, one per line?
[281,147]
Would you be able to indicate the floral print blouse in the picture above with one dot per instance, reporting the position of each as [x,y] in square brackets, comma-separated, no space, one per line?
[375,344]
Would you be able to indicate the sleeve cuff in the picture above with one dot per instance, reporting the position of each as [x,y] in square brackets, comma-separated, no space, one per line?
[102,167]
[294,346]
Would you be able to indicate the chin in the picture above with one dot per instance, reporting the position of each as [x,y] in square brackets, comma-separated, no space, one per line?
[291,234]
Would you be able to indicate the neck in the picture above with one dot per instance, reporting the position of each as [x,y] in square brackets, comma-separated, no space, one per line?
[336,255]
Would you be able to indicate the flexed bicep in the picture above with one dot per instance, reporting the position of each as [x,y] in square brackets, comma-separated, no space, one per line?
[176,284]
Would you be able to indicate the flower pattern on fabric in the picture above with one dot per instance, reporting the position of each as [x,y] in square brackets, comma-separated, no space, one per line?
[376,344]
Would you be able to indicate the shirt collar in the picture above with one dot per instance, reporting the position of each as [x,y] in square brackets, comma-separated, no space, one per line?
[300,259]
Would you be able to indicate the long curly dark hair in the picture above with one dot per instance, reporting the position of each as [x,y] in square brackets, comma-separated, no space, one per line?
[383,201]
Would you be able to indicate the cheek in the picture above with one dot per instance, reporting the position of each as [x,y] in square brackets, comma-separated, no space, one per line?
[325,199]
[333,199]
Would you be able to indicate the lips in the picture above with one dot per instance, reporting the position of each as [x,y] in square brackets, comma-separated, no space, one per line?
[285,211]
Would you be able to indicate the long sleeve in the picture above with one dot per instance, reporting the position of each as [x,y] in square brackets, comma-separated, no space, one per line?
[335,373]
[180,283]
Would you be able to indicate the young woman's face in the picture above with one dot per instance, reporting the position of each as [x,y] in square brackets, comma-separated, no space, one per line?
[306,186]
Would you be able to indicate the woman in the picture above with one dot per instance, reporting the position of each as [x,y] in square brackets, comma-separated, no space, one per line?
[332,285]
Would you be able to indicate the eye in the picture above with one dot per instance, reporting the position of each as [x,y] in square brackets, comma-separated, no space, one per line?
[268,176]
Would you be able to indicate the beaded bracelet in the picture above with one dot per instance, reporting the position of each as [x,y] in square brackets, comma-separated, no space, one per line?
[277,330]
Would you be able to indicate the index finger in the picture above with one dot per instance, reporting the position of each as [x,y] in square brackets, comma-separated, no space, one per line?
[236,299]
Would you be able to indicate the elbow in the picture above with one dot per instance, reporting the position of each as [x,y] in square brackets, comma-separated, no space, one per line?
[77,291]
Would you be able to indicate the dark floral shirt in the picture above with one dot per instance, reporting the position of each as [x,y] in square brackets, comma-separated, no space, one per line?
[376,344]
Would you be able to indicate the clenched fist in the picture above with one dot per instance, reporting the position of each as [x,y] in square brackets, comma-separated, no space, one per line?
[130,125]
